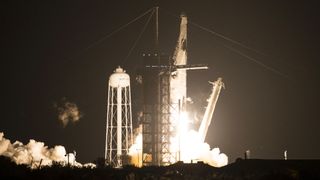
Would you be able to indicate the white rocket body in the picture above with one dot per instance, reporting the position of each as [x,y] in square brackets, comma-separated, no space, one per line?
[178,79]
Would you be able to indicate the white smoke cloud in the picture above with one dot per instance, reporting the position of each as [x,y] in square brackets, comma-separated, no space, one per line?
[135,151]
[68,112]
[187,145]
[4,143]
[36,154]
[193,150]
[190,148]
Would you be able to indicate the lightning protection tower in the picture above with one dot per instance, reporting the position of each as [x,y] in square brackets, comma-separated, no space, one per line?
[119,119]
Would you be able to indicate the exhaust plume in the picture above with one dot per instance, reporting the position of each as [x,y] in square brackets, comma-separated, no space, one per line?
[187,144]
[36,154]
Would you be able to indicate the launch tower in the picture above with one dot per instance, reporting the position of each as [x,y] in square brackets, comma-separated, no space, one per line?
[164,96]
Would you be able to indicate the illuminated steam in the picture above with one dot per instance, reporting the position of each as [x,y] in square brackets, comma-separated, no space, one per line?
[187,144]
[36,154]
[135,151]
[192,149]
[68,112]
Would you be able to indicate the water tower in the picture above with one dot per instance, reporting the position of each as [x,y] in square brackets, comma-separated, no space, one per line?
[119,119]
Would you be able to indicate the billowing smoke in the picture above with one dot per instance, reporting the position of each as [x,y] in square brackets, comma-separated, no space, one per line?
[192,149]
[36,154]
[187,144]
[68,112]
[135,151]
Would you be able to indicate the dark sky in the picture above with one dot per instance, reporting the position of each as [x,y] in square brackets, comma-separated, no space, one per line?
[44,59]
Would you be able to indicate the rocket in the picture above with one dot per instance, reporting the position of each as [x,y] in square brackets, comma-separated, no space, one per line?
[178,78]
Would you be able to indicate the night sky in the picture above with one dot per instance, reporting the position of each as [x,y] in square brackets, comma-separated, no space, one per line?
[45,58]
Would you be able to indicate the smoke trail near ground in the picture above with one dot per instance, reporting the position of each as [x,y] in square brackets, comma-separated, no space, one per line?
[36,154]
[68,112]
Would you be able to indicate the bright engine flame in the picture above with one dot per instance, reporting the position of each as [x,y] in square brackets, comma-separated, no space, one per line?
[190,148]
[135,151]
[186,145]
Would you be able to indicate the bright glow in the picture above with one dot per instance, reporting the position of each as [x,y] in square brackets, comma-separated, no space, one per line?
[135,151]
[183,124]
[186,144]
[191,149]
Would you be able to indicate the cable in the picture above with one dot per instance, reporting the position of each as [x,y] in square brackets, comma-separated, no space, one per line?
[237,51]
[256,61]
[221,36]
[241,53]
[117,30]
[138,38]
[226,38]
[109,35]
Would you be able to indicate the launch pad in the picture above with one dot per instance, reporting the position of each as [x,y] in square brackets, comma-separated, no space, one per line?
[164,119]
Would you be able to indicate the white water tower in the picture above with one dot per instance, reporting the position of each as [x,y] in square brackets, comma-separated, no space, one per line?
[119,119]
